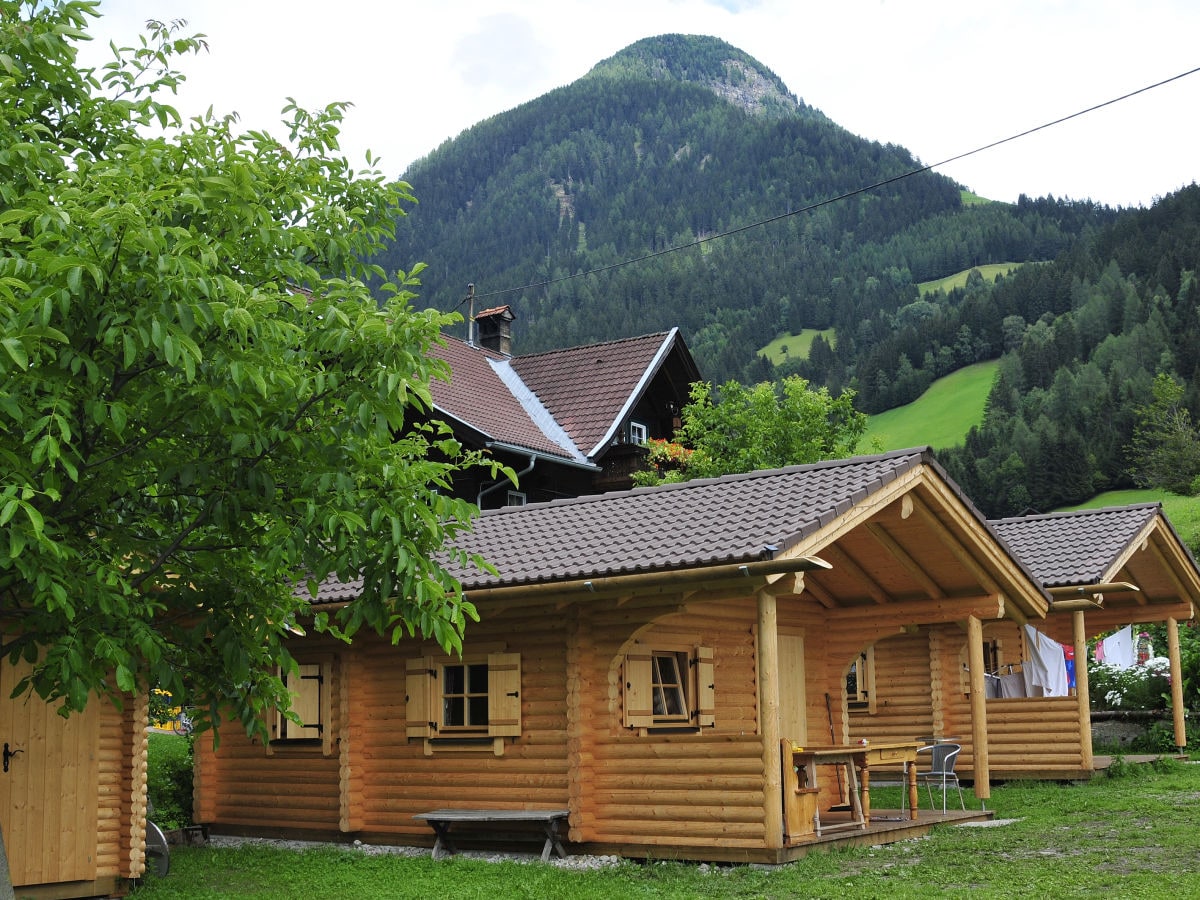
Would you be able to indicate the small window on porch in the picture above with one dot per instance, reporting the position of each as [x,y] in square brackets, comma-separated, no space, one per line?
[639,433]
[860,682]
[515,498]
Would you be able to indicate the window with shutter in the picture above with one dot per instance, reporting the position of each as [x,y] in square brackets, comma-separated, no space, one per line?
[463,700]
[670,688]
[310,687]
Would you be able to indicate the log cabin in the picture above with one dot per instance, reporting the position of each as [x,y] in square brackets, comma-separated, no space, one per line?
[72,794]
[1103,569]
[644,660]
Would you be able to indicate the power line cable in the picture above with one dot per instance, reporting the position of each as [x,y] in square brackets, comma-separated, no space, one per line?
[840,197]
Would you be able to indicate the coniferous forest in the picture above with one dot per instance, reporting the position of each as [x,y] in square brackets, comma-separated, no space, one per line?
[789,222]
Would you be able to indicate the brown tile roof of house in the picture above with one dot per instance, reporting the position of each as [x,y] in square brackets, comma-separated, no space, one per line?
[589,389]
[484,395]
[1075,548]
[736,519]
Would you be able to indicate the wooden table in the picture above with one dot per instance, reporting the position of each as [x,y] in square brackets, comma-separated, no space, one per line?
[442,820]
[801,781]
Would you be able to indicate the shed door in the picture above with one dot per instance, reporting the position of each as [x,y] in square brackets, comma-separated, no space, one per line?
[49,794]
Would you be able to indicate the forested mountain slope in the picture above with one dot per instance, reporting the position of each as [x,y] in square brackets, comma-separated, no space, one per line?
[678,138]
[1085,338]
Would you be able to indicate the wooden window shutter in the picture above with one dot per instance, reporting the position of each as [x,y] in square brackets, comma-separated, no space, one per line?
[420,685]
[307,686]
[639,691]
[706,693]
[504,694]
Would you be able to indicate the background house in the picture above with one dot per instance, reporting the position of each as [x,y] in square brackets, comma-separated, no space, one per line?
[570,421]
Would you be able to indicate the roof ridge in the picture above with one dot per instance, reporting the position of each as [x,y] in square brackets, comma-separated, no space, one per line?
[659,335]
[921,454]
[1066,513]
[467,345]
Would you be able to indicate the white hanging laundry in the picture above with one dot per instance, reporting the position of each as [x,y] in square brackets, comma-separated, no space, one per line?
[1012,685]
[1047,666]
[1117,649]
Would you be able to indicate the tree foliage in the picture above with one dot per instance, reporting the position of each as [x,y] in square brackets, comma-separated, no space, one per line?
[202,403]
[763,427]
[1165,450]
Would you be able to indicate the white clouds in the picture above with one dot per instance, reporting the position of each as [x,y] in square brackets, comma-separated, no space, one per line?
[940,77]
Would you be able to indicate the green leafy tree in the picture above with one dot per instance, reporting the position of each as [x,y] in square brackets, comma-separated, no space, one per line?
[1165,451]
[201,403]
[762,427]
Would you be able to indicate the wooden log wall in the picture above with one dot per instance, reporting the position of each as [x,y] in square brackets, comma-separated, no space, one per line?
[676,788]
[377,778]
[1034,737]
[121,827]
[245,787]
[398,780]
[902,709]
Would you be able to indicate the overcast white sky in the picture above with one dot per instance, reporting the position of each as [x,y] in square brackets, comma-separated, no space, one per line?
[940,77]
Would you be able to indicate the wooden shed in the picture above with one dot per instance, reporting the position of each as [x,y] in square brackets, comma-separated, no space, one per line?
[72,794]
[643,660]
[1103,568]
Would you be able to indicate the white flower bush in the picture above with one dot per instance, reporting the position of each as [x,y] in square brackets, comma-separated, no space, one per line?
[1147,686]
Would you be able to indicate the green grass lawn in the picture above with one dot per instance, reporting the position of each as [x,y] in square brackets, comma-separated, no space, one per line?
[941,417]
[1133,835]
[959,279]
[796,345]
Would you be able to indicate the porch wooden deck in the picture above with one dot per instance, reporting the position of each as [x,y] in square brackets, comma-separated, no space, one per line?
[886,827]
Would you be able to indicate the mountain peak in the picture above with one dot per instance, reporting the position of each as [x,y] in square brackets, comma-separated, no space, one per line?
[710,62]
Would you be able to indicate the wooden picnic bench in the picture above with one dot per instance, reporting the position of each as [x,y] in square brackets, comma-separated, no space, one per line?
[442,820]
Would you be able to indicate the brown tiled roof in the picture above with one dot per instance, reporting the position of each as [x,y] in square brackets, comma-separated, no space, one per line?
[588,388]
[734,519]
[478,397]
[1075,548]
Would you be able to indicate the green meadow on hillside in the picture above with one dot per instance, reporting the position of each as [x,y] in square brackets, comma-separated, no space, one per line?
[941,417]
[959,279]
[793,346]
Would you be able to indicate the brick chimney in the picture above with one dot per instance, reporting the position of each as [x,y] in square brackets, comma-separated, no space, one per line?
[495,329]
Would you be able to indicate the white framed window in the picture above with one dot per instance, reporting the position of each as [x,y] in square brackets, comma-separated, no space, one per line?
[638,433]
[515,498]
[670,688]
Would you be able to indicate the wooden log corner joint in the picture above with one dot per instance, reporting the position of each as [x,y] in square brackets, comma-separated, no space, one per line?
[801,787]
[442,820]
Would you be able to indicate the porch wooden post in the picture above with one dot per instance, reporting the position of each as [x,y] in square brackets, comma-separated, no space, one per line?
[1177,710]
[979,732]
[768,705]
[1083,694]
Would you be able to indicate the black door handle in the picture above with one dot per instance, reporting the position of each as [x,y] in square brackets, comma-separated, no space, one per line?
[9,754]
